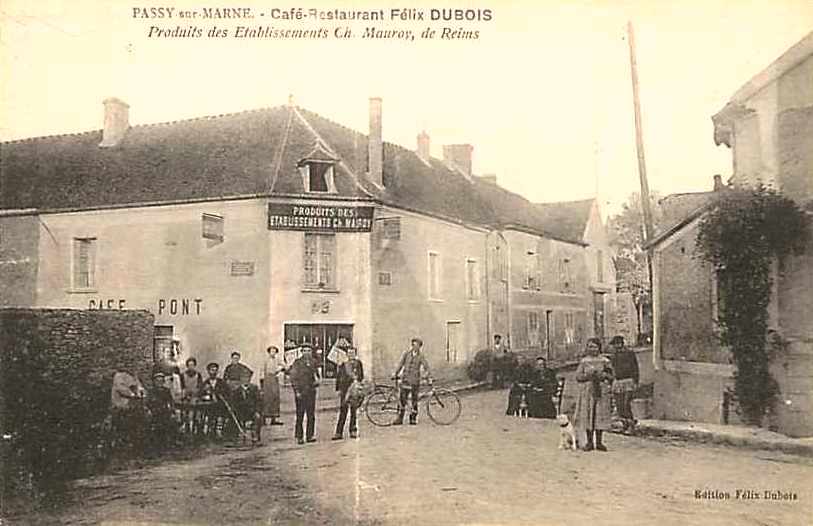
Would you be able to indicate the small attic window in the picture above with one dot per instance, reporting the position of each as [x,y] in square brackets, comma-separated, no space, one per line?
[317,176]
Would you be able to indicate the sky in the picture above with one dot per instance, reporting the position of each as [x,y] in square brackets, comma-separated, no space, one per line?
[543,95]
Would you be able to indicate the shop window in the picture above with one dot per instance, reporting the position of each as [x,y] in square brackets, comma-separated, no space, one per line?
[472,280]
[212,227]
[434,275]
[320,261]
[161,341]
[84,263]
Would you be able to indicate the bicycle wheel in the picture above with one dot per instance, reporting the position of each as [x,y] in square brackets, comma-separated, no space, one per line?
[443,406]
[381,407]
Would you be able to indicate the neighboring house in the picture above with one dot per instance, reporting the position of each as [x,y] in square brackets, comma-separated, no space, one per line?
[581,220]
[768,124]
[251,229]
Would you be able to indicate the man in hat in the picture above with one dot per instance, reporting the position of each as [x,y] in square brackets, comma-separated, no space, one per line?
[304,380]
[237,373]
[625,366]
[213,392]
[409,371]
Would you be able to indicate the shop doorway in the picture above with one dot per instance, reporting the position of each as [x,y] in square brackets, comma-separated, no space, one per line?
[322,337]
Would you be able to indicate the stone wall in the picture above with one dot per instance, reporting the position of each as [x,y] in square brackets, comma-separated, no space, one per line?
[19,240]
[56,371]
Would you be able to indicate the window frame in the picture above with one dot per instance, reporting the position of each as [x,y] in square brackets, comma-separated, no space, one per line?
[92,272]
[474,287]
[318,284]
[434,290]
[329,176]
[210,219]
[533,329]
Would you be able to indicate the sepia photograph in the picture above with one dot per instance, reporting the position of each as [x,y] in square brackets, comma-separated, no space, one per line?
[367,262]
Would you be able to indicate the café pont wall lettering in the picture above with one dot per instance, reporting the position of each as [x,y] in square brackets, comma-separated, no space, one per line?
[162,307]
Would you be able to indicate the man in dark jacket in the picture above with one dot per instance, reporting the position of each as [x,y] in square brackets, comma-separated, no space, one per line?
[350,371]
[304,380]
[625,365]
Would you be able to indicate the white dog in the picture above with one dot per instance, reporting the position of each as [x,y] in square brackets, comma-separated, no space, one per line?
[567,435]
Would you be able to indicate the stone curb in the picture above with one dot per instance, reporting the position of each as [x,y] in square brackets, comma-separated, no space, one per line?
[653,428]
[332,406]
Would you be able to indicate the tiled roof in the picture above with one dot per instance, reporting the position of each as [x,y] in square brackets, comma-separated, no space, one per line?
[567,219]
[221,156]
[408,181]
[255,153]
[512,209]
[675,208]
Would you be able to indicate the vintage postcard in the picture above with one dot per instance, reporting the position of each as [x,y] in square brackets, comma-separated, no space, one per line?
[376,262]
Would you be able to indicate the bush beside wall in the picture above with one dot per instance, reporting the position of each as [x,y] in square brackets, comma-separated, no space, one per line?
[56,371]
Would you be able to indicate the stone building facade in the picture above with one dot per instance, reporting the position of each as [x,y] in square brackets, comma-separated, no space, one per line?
[278,225]
[768,124]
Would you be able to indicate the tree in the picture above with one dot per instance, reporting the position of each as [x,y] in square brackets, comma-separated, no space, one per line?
[632,269]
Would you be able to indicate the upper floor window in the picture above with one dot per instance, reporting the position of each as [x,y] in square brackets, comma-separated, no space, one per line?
[391,228]
[533,271]
[565,279]
[472,279]
[212,227]
[84,263]
[317,176]
[434,275]
[320,261]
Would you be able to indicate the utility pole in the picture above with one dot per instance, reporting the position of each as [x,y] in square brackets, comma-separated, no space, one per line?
[639,142]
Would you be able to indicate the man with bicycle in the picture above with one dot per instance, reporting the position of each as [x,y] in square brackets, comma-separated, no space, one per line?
[409,370]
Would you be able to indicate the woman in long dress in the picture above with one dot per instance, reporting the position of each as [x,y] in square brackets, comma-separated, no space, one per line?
[270,383]
[593,414]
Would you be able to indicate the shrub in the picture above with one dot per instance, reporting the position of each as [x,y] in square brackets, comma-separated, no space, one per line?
[56,372]
[479,367]
[741,237]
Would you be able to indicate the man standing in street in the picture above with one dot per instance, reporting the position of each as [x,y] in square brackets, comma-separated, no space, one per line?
[304,380]
[409,370]
[625,366]
[350,371]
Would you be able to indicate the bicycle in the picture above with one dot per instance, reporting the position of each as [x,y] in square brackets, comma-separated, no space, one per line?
[382,406]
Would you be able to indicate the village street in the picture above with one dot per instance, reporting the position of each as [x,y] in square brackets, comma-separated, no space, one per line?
[485,469]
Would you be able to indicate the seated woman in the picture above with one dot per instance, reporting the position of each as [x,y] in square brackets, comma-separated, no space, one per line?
[540,398]
[522,380]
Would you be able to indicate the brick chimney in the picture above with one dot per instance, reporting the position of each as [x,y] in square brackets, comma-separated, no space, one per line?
[458,156]
[718,182]
[116,121]
[375,148]
[423,146]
